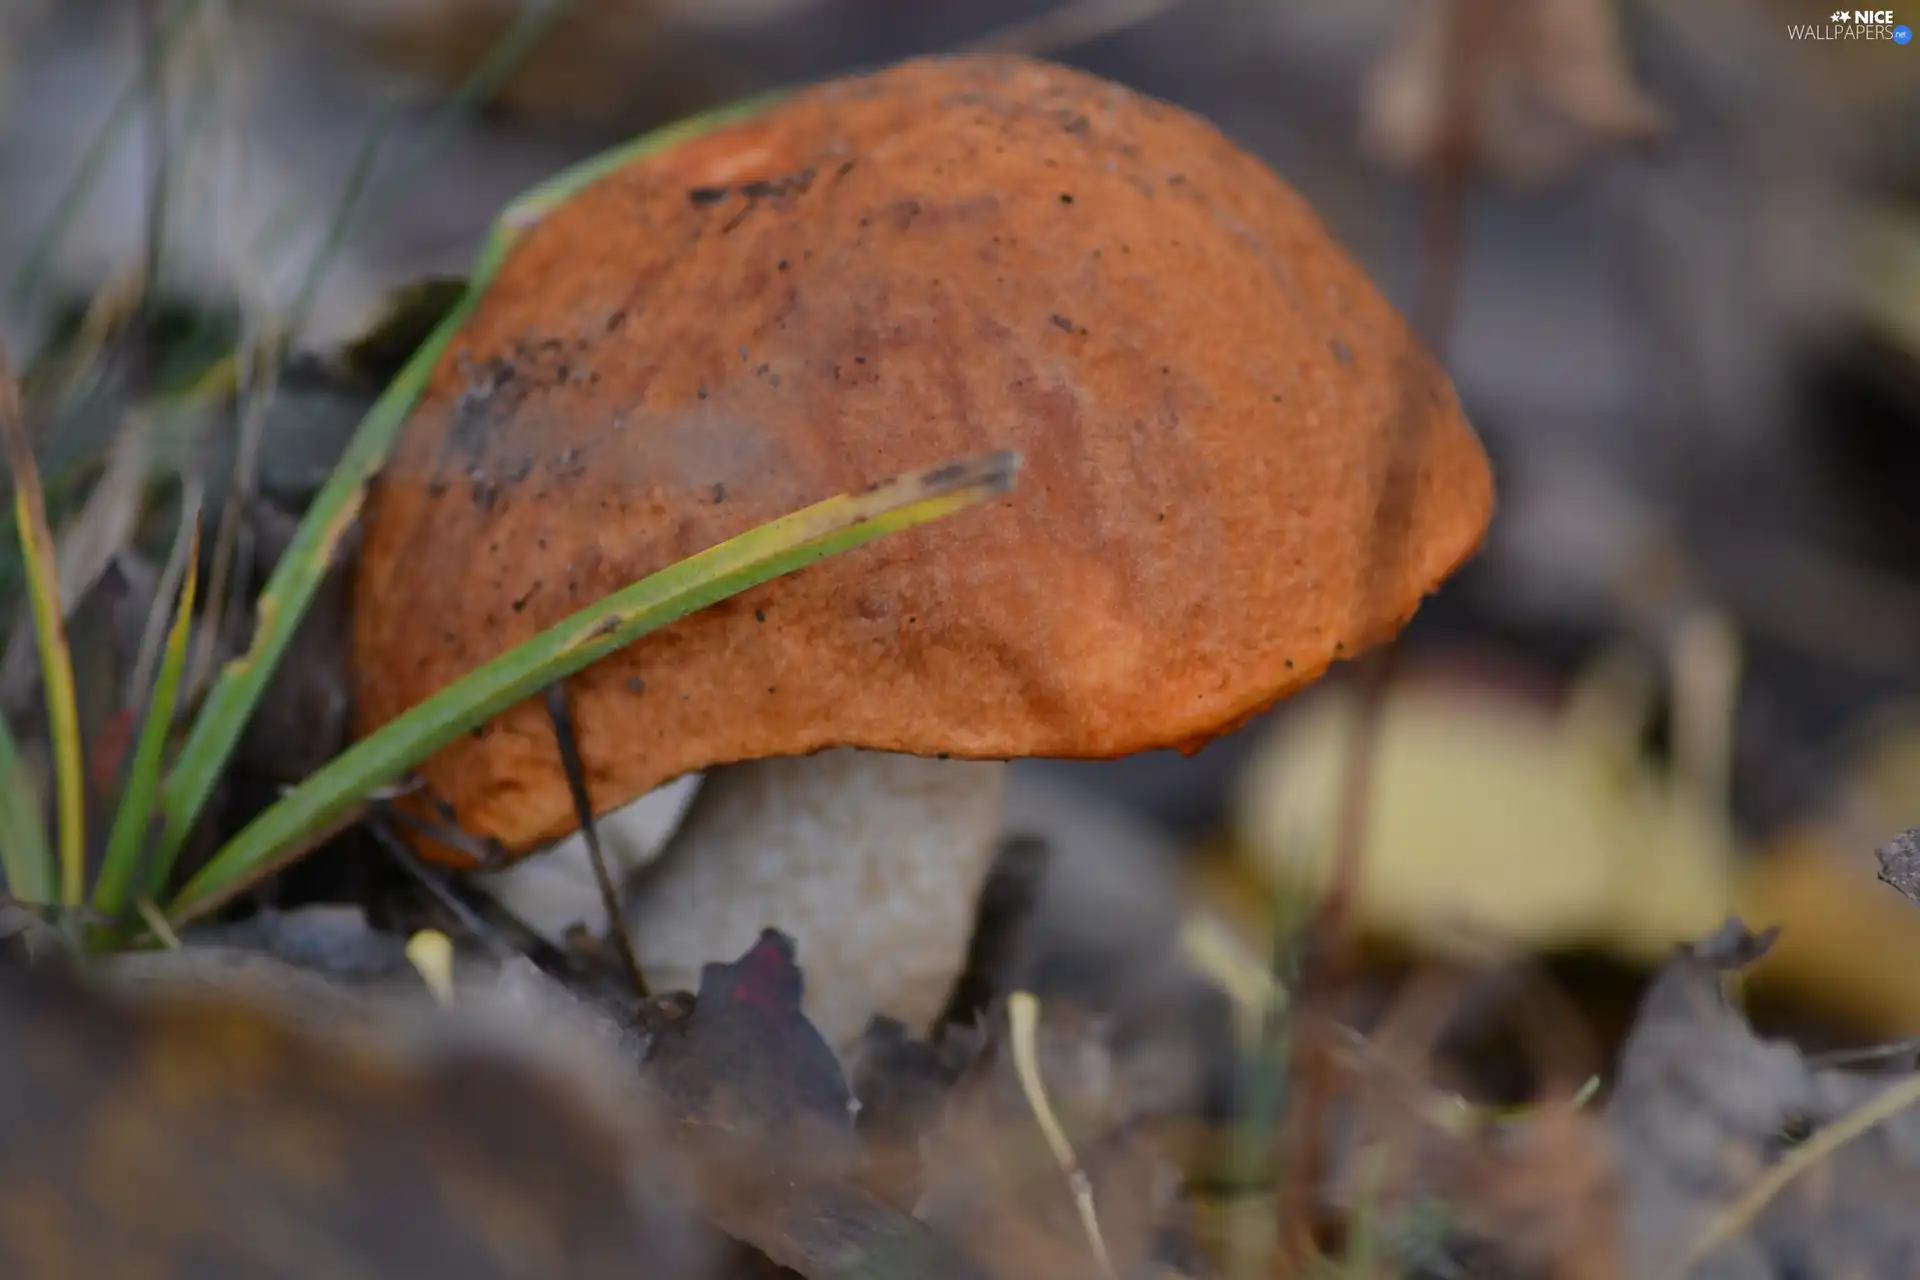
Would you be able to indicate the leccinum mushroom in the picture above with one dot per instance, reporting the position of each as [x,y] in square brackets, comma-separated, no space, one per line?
[878,274]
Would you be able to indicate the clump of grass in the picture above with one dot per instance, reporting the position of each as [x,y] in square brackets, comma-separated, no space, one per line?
[167,785]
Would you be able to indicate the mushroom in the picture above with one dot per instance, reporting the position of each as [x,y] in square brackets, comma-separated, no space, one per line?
[1239,468]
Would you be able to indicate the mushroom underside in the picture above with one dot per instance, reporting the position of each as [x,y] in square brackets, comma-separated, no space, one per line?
[872,861]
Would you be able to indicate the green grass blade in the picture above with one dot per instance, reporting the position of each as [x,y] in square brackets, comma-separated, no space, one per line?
[781,546]
[237,689]
[25,859]
[49,628]
[128,842]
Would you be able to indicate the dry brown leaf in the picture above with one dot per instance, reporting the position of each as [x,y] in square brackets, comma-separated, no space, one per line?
[765,1121]
[209,1137]
[1900,865]
[1703,1109]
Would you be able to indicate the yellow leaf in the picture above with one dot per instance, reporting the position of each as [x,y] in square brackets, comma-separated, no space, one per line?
[1491,822]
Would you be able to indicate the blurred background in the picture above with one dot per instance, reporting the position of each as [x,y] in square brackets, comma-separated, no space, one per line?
[1681,678]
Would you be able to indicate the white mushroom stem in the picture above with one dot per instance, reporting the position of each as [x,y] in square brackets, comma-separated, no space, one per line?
[872,862]
[555,890]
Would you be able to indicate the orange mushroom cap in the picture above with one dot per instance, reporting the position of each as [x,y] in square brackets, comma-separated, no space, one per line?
[1239,464]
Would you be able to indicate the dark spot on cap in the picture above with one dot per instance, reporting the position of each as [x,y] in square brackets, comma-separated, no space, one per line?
[636,685]
[764,188]
[760,615]
[1066,197]
[719,493]
[704,196]
[1341,351]
[1062,323]
[944,474]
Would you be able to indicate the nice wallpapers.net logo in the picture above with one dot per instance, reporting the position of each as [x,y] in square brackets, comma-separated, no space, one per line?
[1854,24]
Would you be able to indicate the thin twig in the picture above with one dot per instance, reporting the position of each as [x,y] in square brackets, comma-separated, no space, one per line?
[485,854]
[576,773]
[1468,27]
[1736,1217]
[381,825]
[1023,1019]
[1869,1056]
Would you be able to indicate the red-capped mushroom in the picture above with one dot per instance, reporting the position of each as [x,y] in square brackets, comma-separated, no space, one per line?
[1239,467]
